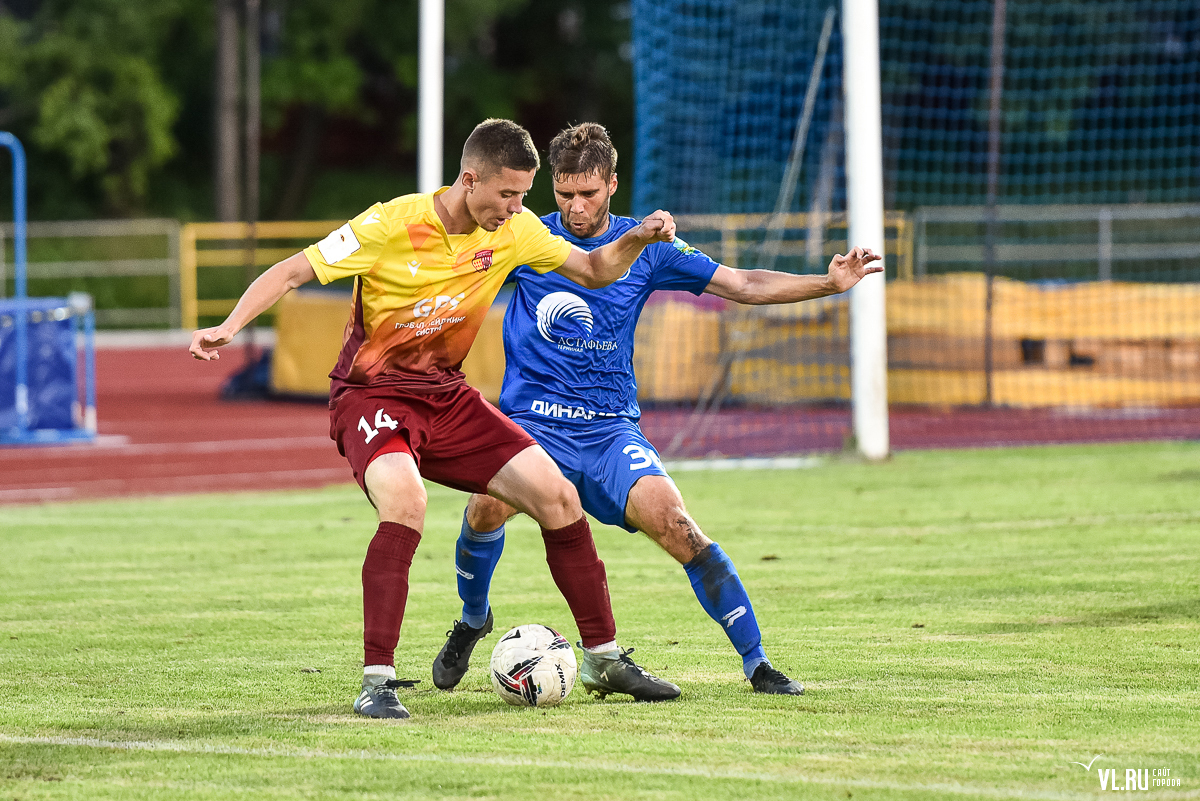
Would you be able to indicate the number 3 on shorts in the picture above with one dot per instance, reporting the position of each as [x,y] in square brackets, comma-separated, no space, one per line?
[640,457]
[382,420]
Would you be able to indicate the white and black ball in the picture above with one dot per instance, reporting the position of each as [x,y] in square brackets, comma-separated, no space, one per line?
[533,665]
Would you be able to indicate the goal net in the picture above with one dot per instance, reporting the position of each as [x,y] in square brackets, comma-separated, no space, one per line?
[1069,311]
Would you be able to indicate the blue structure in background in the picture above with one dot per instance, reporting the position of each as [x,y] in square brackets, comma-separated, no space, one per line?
[1100,104]
[719,91]
[39,359]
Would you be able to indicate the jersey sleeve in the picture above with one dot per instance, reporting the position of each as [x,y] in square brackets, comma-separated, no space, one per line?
[537,247]
[352,249]
[680,266]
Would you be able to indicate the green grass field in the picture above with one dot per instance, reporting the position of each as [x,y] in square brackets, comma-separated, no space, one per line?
[967,624]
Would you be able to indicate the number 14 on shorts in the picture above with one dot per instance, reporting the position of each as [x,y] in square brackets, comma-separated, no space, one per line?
[382,420]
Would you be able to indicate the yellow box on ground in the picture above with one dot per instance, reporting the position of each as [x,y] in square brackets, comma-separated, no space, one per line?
[676,351]
[1080,344]
[1090,344]
[484,365]
[309,329]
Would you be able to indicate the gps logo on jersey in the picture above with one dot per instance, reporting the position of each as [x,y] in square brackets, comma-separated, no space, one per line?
[557,305]
[431,306]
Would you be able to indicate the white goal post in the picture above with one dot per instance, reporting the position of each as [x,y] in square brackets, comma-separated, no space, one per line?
[864,206]
[430,93]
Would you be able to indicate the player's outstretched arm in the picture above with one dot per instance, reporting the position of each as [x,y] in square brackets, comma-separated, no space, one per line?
[606,264]
[760,287]
[261,295]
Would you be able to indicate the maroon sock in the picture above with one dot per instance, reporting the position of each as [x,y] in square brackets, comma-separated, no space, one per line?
[579,574]
[385,590]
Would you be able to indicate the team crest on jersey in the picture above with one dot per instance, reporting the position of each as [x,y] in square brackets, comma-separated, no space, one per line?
[482,260]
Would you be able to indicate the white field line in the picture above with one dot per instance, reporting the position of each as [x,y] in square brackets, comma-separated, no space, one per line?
[182,747]
[40,494]
[772,463]
[167,339]
[122,447]
[182,485]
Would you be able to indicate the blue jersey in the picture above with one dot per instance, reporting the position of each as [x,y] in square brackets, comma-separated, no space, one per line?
[569,350]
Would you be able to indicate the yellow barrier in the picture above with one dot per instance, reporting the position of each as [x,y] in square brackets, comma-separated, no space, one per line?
[309,329]
[224,244]
[1099,343]
[954,305]
[1150,354]
[677,350]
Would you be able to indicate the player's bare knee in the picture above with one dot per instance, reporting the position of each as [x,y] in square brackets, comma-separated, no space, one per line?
[485,513]
[557,505]
[677,534]
[396,490]
[400,505]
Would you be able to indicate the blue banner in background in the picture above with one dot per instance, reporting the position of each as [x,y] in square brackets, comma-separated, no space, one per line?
[52,367]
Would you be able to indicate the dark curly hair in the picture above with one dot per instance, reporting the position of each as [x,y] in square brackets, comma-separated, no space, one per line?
[582,149]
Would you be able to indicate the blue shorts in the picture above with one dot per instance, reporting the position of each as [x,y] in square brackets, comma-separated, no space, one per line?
[603,460]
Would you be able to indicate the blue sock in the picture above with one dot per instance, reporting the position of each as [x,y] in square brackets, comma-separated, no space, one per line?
[720,591]
[475,558]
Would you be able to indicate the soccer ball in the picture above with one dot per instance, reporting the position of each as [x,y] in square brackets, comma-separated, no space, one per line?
[533,666]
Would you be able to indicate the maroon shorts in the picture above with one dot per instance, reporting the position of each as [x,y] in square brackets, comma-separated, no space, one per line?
[456,437]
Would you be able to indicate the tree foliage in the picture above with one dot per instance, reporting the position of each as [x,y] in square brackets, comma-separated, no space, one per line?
[82,80]
[114,98]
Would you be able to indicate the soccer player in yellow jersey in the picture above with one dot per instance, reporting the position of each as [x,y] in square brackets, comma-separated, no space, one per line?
[426,268]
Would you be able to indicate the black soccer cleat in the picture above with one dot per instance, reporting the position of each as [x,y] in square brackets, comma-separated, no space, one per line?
[455,657]
[615,672]
[767,679]
[378,698]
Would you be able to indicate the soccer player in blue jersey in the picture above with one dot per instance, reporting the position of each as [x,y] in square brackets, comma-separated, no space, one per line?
[569,382]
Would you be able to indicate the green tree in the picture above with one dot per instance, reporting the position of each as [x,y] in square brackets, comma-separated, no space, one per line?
[82,81]
[115,98]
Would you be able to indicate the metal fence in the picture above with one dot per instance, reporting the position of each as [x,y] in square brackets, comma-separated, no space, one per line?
[805,242]
[109,259]
[1136,242]
[214,257]
[196,271]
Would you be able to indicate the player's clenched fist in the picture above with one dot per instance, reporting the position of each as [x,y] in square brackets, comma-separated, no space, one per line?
[658,227]
[206,341]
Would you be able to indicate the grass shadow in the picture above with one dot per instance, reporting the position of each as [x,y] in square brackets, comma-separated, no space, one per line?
[1179,610]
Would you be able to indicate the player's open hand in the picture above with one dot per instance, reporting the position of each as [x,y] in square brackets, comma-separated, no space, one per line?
[658,227]
[846,271]
[206,341]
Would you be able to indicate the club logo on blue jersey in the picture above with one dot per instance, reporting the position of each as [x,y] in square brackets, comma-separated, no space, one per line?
[569,313]
[565,319]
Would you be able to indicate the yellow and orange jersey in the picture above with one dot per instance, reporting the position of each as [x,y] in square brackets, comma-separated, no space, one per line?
[420,295]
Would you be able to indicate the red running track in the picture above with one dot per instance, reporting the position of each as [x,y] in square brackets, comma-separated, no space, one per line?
[776,432]
[164,430]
